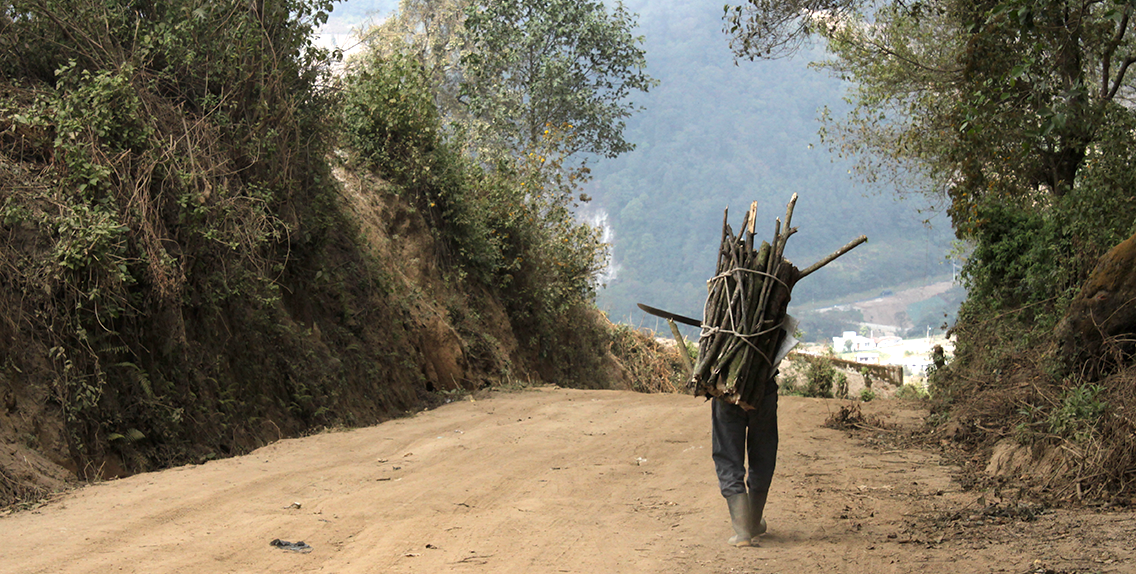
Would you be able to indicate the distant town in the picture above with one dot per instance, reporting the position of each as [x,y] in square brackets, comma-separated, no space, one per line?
[914,354]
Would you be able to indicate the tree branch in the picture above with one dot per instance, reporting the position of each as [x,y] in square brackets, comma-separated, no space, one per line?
[851,245]
[1120,76]
[1109,52]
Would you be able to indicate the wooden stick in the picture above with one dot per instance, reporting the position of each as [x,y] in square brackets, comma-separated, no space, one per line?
[851,245]
[789,211]
[686,362]
[725,225]
[752,222]
[788,226]
[745,306]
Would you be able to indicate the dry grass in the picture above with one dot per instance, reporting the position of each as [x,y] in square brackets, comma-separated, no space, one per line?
[654,367]
[1022,397]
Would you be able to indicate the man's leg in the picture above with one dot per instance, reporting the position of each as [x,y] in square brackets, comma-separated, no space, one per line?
[728,437]
[761,448]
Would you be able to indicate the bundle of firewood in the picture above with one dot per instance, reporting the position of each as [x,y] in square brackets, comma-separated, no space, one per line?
[745,325]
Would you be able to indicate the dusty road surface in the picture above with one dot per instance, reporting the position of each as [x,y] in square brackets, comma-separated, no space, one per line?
[554,480]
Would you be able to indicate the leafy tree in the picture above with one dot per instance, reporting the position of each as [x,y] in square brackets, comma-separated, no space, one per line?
[1000,100]
[1000,97]
[554,76]
[500,231]
[1008,108]
[777,28]
[1017,111]
[508,227]
[525,85]
[518,87]
[432,32]
[502,214]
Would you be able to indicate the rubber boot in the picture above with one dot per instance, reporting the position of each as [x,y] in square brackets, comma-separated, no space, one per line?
[740,519]
[757,501]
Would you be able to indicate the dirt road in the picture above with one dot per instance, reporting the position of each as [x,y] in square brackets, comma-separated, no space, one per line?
[553,480]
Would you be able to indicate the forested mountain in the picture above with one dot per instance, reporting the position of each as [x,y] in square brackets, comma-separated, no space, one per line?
[715,134]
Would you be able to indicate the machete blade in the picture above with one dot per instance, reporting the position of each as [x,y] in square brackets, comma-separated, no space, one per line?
[668,315]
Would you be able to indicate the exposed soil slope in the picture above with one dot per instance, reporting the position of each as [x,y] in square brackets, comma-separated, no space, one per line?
[883,310]
[553,480]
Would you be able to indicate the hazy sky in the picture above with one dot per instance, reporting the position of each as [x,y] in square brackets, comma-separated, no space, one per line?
[349,15]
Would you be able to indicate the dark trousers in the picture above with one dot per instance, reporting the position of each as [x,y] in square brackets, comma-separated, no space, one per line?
[737,434]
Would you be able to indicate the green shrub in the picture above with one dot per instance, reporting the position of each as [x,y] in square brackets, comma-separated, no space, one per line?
[505,228]
[910,391]
[867,395]
[1079,414]
[789,386]
[820,376]
[1030,259]
[653,366]
[389,117]
[178,152]
[841,384]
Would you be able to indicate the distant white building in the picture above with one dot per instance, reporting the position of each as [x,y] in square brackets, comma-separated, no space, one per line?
[888,341]
[912,354]
[852,342]
[916,366]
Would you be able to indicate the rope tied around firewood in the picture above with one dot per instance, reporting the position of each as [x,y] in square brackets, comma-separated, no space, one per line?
[731,272]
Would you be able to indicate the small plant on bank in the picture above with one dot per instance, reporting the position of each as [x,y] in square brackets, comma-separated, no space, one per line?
[1079,414]
[654,367]
[841,385]
[913,392]
[820,377]
[789,386]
